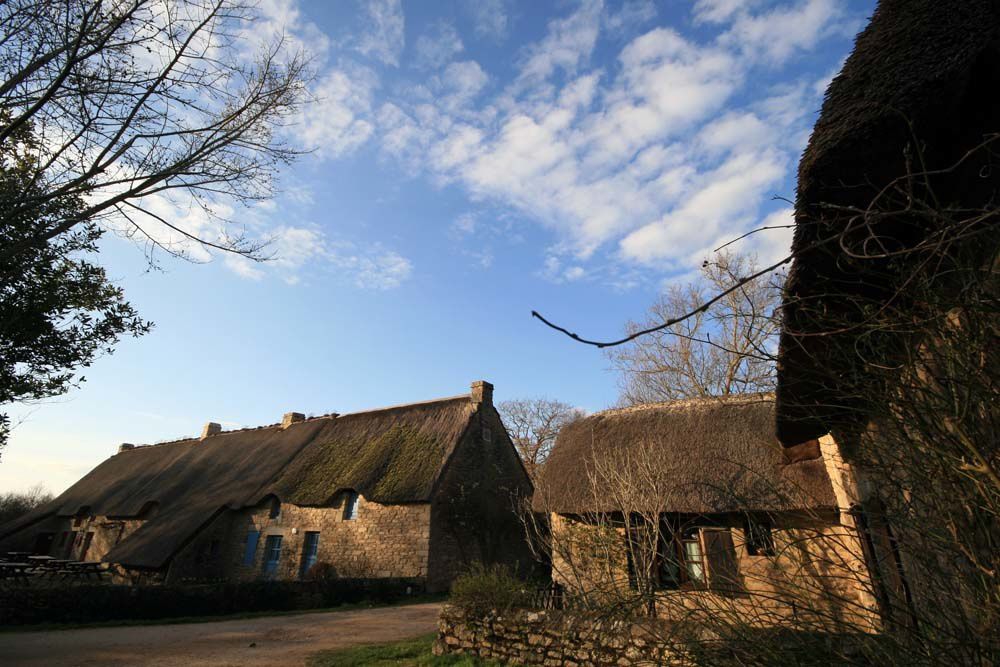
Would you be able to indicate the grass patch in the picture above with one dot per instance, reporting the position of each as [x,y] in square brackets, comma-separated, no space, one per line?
[408,653]
[180,620]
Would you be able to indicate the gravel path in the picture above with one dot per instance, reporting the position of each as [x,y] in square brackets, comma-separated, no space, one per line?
[270,641]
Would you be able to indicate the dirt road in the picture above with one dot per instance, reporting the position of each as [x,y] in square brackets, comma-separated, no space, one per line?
[272,641]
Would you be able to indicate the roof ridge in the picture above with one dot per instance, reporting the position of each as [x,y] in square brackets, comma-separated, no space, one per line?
[684,403]
[408,405]
[328,415]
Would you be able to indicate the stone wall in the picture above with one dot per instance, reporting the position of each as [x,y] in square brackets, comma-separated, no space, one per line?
[549,638]
[383,541]
[475,511]
[816,575]
[556,638]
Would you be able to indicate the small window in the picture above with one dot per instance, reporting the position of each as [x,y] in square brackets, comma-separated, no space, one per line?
[694,559]
[275,510]
[350,506]
[668,561]
[310,549]
[487,434]
[250,547]
[759,540]
[272,554]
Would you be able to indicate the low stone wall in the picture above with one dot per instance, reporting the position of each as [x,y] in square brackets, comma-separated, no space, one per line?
[550,638]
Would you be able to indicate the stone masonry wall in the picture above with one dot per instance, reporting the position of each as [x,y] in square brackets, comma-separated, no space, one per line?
[474,514]
[816,575]
[549,638]
[383,541]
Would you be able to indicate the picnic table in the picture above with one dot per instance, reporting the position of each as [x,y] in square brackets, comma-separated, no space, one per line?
[86,568]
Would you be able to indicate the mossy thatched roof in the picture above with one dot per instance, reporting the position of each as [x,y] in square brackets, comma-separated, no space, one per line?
[703,456]
[389,456]
[392,455]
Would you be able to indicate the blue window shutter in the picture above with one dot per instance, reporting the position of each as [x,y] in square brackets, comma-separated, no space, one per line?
[251,547]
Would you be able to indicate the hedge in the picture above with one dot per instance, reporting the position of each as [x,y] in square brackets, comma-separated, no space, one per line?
[90,603]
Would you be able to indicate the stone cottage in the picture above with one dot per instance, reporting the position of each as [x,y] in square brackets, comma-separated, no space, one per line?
[408,492]
[692,506]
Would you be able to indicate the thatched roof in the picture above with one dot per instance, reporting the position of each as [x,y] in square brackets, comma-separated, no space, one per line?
[703,456]
[390,455]
[393,455]
[936,66]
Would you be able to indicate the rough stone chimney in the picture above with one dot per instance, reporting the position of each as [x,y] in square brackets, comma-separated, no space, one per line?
[125,446]
[211,428]
[482,392]
[291,418]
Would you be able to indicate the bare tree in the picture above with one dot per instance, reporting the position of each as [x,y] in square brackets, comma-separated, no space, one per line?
[725,348]
[138,101]
[14,504]
[534,424]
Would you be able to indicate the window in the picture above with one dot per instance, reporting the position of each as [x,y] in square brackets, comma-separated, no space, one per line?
[668,561]
[759,540]
[350,506]
[487,434]
[275,510]
[694,559]
[272,554]
[310,548]
[250,547]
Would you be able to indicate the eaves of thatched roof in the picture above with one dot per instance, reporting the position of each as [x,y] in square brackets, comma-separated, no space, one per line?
[703,456]
[924,73]
[389,455]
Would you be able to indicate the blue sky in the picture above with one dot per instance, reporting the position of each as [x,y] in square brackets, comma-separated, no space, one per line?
[474,160]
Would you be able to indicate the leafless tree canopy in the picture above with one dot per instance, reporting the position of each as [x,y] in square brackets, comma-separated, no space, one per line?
[726,348]
[142,104]
[533,425]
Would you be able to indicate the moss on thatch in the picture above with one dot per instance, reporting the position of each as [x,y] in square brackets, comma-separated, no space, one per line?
[388,456]
[393,455]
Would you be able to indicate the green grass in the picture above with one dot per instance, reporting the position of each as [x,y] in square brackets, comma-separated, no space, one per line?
[408,653]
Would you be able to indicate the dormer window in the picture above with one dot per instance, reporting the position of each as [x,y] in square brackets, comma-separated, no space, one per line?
[350,506]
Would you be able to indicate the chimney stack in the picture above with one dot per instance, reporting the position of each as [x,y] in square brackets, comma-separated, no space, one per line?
[125,446]
[291,418]
[211,428]
[482,392]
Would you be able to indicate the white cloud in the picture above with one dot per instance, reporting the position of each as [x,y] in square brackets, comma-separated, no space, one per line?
[438,46]
[717,11]
[567,45]
[729,194]
[384,36]
[774,36]
[632,15]
[490,18]
[373,268]
[337,123]
[639,163]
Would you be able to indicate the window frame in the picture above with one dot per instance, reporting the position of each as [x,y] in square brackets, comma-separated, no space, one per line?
[272,544]
[758,536]
[352,503]
[672,538]
[310,551]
